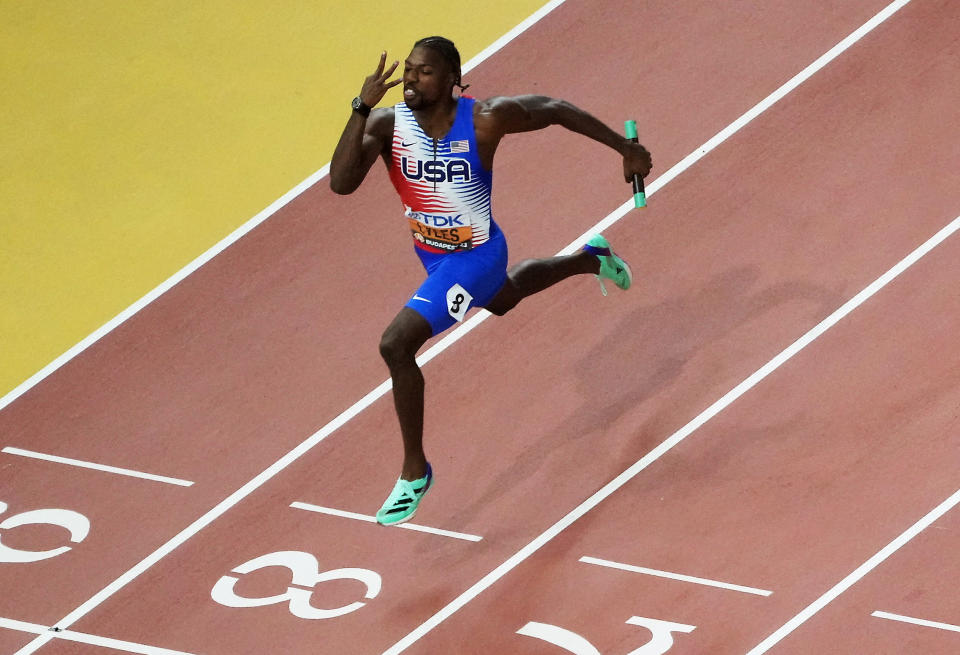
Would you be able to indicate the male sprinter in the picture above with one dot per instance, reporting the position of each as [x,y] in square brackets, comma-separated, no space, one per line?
[439,150]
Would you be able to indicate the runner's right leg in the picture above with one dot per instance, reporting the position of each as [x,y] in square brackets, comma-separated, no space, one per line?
[398,347]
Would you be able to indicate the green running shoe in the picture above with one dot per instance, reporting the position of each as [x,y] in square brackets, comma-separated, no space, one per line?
[611,266]
[402,502]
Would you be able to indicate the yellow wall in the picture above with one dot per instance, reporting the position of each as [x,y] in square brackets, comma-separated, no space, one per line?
[135,135]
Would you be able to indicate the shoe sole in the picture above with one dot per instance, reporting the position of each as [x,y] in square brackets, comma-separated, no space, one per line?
[629,273]
[626,267]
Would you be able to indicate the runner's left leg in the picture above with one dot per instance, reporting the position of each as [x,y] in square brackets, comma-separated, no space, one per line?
[398,347]
[534,275]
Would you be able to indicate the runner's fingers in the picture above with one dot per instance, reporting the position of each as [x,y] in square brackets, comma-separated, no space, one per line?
[383,60]
[387,73]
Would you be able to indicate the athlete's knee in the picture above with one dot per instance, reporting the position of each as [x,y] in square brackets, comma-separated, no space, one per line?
[403,338]
[502,307]
[394,348]
[506,299]
[521,274]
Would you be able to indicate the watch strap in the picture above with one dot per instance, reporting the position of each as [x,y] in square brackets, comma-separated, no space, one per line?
[360,107]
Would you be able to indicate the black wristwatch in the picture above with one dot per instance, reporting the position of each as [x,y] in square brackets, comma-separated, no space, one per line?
[359,107]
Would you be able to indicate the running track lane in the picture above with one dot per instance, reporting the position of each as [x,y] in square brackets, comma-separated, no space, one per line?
[321,467]
[295,532]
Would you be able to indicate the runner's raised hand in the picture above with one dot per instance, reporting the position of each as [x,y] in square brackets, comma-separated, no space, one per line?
[376,85]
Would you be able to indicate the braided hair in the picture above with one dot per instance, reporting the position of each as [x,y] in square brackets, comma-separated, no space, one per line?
[445,48]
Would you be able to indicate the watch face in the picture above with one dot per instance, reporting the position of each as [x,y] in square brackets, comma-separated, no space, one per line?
[356,103]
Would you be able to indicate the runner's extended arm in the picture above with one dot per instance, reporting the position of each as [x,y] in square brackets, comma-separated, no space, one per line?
[507,115]
[364,138]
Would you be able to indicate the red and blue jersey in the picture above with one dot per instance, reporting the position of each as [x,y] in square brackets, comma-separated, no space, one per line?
[444,188]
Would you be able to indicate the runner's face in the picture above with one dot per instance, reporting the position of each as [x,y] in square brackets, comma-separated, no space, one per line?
[427,78]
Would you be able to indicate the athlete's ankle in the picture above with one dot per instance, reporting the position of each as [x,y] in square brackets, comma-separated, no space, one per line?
[591,262]
[414,468]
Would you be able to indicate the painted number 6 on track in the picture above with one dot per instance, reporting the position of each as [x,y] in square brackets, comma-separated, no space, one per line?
[75,523]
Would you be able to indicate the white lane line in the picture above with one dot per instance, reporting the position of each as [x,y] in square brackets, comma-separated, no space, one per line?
[675,576]
[84,638]
[237,234]
[10,450]
[372,519]
[914,621]
[856,575]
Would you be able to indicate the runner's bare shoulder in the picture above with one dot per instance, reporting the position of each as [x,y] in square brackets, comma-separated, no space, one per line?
[505,114]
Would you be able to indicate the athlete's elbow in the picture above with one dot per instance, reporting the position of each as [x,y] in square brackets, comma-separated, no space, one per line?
[554,111]
[342,185]
[563,111]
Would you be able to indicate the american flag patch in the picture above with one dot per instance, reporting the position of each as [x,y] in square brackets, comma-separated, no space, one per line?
[459,146]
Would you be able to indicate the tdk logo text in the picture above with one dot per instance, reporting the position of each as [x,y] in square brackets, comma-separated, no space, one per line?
[437,170]
[438,220]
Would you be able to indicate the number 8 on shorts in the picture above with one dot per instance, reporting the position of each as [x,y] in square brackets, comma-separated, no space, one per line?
[458,302]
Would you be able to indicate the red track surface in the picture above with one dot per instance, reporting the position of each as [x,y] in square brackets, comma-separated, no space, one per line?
[789,489]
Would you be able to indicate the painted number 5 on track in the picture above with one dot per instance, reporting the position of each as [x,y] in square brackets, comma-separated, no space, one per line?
[661,639]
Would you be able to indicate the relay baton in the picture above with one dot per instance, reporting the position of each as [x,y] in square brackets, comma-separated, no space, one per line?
[639,193]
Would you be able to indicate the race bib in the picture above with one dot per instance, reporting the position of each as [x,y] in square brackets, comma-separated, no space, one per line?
[450,239]
[458,302]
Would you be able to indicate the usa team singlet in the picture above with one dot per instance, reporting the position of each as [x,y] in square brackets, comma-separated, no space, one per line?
[444,188]
[445,192]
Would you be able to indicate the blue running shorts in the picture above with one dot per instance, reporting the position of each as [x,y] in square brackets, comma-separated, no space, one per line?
[457,281]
